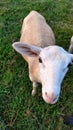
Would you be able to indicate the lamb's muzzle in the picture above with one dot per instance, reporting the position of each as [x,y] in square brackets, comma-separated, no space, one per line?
[50,98]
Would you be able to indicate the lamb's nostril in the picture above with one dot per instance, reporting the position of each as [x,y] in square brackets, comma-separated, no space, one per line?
[46,94]
[49,98]
[54,99]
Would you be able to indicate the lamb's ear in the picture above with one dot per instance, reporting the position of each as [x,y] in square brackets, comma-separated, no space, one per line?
[72,58]
[71,55]
[26,49]
[71,46]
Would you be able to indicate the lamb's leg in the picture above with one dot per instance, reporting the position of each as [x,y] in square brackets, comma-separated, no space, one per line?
[35,84]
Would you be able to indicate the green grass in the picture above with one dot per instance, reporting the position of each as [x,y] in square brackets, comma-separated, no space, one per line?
[18,109]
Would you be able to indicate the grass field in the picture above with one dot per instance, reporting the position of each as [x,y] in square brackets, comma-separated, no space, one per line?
[18,109]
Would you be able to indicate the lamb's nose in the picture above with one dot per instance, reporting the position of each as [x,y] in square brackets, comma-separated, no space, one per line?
[50,98]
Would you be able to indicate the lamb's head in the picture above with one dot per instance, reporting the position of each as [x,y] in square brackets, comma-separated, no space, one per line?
[53,63]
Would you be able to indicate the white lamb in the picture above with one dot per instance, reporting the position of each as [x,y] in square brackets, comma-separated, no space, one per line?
[47,62]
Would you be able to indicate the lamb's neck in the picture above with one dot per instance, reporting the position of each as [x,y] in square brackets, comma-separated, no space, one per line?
[34,71]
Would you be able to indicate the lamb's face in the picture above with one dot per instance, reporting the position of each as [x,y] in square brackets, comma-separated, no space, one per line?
[54,63]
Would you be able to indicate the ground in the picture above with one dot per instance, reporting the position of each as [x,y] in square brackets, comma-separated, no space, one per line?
[18,109]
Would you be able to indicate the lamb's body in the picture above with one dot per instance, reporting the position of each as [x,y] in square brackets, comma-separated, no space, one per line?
[37,32]
[47,64]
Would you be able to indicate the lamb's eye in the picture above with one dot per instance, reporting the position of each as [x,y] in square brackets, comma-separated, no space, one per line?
[69,65]
[40,60]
